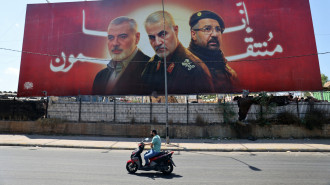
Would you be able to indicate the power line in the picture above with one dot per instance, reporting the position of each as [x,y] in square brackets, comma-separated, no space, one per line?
[44,54]
[247,60]
[276,58]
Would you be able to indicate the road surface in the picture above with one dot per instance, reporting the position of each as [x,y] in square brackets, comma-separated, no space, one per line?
[50,166]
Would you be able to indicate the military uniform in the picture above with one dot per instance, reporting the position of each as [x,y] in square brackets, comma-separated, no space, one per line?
[224,78]
[128,83]
[186,74]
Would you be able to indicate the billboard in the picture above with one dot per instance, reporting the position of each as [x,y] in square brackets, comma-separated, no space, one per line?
[118,47]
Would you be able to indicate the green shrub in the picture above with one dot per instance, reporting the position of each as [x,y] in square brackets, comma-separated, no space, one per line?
[228,112]
[315,119]
[266,108]
[287,118]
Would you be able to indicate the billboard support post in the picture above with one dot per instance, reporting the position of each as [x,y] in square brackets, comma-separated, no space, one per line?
[150,109]
[45,94]
[298,109]
[114,110]
[165,73]
[79,114]
[187,101]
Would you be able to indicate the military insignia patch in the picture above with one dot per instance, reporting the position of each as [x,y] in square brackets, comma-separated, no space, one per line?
[188,64]
[170,67]
[158,65]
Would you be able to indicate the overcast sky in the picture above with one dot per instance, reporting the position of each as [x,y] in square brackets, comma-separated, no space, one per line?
[12,21]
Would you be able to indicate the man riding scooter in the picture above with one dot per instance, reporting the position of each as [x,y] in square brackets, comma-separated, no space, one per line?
[159,161]
[155,147]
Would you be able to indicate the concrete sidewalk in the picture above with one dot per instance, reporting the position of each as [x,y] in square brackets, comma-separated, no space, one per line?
[219,145]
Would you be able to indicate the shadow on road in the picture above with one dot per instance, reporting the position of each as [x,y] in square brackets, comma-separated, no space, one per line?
[251,167]
[158,175]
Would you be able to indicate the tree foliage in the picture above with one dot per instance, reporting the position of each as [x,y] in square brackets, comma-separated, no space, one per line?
[324,79]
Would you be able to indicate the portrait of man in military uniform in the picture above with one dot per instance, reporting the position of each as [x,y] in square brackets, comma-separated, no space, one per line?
[186,73]
[206,36]
[123,73]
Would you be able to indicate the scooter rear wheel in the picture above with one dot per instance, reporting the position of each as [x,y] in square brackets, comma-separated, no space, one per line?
[131,167]
[169,169]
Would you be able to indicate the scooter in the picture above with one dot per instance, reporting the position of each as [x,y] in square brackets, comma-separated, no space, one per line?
[162,162]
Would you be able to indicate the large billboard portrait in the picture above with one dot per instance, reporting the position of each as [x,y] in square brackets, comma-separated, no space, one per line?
[129,47]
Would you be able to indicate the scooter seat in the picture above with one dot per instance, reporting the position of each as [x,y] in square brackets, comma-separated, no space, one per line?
[160,153]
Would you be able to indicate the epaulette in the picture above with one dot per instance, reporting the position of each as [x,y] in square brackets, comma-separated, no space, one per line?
[152,59]
[231,71]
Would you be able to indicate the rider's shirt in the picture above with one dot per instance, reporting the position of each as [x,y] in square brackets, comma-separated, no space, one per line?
[156,142]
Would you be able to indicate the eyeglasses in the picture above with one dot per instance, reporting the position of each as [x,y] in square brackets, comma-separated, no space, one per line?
[208,29]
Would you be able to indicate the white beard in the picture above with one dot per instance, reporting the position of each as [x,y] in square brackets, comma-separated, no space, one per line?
[122,56]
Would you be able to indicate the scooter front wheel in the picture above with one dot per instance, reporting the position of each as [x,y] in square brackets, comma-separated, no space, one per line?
[131,167]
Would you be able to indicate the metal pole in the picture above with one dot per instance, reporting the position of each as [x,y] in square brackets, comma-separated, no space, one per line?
[47,100]
[79,114]
[298,113]
[150,109]
[187,101]
[79,108]
[165,73]
[114,109]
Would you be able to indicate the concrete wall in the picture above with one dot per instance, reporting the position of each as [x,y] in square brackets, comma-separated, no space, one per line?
[156,113]
[175,131]
[299,110]
[136,112]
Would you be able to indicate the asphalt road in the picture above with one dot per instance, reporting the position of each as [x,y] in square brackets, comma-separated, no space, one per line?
[48,166]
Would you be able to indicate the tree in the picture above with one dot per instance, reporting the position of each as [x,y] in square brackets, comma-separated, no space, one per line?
[324,79]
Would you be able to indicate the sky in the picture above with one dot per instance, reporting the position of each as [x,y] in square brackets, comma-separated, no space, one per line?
[12,21]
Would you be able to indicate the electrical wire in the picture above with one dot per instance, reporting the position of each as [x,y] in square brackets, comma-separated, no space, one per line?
[247,60]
